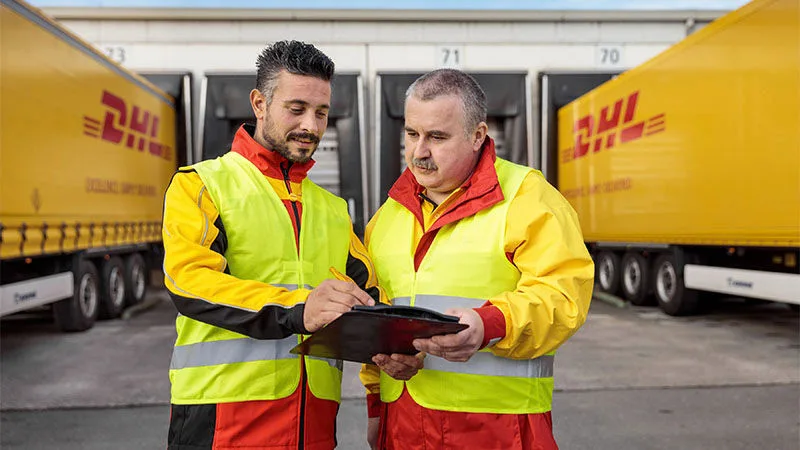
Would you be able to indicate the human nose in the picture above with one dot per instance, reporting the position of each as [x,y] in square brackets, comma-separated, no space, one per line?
[310,123]
[420,149]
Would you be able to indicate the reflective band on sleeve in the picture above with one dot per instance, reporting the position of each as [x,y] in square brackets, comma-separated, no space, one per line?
[231,351]
[483,363]
[292,287]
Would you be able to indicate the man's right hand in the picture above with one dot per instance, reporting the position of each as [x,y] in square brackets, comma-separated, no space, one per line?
[331,299]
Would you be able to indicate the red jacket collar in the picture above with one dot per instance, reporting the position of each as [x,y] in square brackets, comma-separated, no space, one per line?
[270,163]
[481,190]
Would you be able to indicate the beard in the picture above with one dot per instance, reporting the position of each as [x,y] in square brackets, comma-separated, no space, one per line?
[281,145]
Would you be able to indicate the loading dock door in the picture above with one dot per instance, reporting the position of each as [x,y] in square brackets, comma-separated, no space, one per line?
[507,104]
[179,86]
[339,167]
[556,90]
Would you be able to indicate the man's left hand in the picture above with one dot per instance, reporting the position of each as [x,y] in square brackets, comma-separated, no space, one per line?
[457,347]
[400,367]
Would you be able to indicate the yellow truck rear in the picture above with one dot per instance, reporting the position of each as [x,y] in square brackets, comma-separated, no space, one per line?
[685,171]
[87,149]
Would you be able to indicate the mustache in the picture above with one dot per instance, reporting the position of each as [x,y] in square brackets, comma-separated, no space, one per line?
[305,136]
[424,163]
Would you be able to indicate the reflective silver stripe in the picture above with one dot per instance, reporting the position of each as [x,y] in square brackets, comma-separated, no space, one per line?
[291,287]
[484,363]
[335,363]
[401,301]
[439,303]
[231,351]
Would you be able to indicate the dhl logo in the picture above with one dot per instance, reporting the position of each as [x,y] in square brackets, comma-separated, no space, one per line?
[611,128]
[139,132]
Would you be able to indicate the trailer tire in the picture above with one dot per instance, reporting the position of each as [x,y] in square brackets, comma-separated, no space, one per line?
[112,292]
[79,312]
[608,271]
[635,279]
[135,279]
[672,295]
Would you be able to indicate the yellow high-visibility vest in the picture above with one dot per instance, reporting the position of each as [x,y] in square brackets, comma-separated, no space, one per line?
[214,365]
[465,266]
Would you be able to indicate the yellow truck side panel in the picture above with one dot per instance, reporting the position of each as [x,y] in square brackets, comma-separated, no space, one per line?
[700,145]
[86,148]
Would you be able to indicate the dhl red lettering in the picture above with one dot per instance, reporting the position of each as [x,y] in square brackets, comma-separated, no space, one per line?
[631,133]
[598,144]
[655,124]
[610,140]
[142,130]
[154,127]
[586,124]
[630,110]
[607,123]
[110,133]
[609,129]
[139,120]
[155,148]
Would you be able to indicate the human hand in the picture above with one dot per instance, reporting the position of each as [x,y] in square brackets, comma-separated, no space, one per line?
[400,367]
[373,427]
[458,347]
[331,299]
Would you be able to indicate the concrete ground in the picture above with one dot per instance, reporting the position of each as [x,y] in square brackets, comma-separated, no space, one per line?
[631,378]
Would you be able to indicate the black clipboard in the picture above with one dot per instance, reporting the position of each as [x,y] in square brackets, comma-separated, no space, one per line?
[366,331]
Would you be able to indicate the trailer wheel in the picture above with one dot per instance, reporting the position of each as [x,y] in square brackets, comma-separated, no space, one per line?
[673,297]
[608,272]
[135,279]
[79,312]
[635,279]
[112,283]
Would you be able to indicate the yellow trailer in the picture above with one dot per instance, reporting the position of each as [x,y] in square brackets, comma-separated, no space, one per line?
[87,151]
[685,171]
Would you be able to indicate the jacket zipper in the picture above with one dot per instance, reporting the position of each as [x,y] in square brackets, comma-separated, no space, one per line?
[285,171]
[302,418]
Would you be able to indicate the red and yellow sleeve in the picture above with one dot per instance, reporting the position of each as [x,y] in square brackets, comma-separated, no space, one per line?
[197,276]
[552,297]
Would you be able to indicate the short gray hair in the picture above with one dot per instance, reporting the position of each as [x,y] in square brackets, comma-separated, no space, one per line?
[453,82]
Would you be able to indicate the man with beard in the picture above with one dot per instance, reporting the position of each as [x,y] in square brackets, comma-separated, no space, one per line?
[470,234]
[254,257]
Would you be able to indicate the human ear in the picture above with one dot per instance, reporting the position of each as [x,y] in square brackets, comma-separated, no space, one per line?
[259,104]
[479,135]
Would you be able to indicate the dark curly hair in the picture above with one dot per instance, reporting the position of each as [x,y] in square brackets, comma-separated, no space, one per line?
[294,57]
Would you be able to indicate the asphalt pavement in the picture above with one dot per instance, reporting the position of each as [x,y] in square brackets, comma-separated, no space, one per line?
[631,378]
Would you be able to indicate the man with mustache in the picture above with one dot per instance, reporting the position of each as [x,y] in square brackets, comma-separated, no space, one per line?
[252,248]
[491,242]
